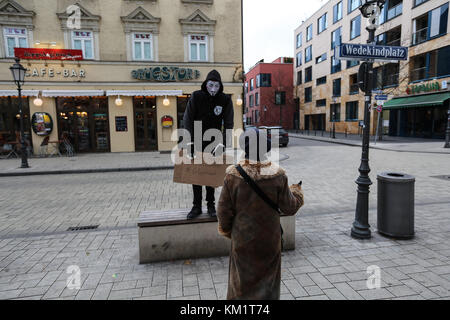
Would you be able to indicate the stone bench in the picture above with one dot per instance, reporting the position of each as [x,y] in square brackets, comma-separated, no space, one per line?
[168,235]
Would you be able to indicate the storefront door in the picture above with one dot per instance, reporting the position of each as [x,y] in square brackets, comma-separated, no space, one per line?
[146,127]
[85,122]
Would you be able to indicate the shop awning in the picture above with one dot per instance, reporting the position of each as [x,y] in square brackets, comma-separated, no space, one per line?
[428,100]
[14,93]
[144,93]
[73,93]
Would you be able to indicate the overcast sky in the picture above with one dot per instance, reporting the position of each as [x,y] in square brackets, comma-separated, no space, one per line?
[269,27]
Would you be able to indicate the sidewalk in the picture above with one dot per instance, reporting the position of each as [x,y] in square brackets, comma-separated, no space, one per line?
[87,163]
[398,144]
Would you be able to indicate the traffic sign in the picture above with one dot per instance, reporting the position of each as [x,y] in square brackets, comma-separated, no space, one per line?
[381,97]
[379,108]
[350,51]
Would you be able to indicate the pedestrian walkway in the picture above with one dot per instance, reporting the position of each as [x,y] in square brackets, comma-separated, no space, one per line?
[90,162]
[399,144]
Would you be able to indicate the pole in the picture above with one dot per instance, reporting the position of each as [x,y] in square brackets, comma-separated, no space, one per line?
[378,127]
[361,227]
[447,133]
[22,137]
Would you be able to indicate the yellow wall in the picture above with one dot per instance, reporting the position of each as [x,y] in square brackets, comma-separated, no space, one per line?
[121,141]
[49,106]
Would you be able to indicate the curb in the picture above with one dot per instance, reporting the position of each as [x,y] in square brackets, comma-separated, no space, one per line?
[371,146]
[37,173]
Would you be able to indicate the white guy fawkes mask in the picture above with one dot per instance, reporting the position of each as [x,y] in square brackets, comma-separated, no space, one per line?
[213,87]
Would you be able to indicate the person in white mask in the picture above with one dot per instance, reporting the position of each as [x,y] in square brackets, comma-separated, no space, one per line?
[212,108]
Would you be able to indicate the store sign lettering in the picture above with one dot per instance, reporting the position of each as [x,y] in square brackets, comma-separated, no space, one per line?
[434,86]
[165,74]
[51,73]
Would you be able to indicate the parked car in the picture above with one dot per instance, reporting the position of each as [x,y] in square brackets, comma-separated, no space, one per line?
[284,135]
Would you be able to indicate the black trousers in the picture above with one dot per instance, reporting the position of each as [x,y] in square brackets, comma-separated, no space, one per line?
[198,195]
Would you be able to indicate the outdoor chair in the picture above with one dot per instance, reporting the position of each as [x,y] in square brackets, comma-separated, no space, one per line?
[68,146]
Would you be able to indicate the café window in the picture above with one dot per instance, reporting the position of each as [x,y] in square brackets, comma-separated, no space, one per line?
[142,46]
[84,40]
[14,38]
[10,125]
[198,48]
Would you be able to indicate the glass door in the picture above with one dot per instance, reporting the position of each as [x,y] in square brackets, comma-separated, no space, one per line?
[146,125]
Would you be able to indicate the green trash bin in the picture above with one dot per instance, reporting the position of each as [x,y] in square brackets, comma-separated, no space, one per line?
[395,213]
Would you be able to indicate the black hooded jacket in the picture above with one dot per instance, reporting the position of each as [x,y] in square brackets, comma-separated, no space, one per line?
[211,111]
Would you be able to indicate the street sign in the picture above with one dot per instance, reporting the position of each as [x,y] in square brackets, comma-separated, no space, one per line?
[379,108]
[350,51]
[381,97]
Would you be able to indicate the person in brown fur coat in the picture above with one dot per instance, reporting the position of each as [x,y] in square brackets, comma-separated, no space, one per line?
[254,227]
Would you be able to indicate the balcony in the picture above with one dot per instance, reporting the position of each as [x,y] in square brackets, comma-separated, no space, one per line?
[420,36]
[394,43]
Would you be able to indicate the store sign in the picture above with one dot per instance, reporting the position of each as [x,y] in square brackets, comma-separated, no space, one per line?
[167,122]
[48,54]
[55,72]
[349,51]
[428,87]
[42,123]
[165,74]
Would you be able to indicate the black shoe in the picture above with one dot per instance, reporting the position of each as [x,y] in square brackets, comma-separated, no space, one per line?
[212,210]
[194,213]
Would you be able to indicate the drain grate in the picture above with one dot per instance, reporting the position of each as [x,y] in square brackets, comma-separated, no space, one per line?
[82,228]
[444,177]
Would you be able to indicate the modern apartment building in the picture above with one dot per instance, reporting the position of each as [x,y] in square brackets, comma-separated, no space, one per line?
[417,89]
[269,97]
[140,62]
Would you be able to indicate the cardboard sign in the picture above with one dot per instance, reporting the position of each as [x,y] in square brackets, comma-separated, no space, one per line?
[202,174]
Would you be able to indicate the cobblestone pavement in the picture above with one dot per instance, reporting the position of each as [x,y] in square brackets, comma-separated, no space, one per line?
[36,249]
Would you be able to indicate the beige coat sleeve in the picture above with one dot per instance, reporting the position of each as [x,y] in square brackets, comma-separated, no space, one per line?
[290,199]
[225,212]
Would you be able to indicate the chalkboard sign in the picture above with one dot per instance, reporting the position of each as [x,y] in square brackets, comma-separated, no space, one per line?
[121,124]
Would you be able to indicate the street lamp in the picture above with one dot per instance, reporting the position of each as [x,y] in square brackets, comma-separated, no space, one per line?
[334,125]
[361,229]
[18,73]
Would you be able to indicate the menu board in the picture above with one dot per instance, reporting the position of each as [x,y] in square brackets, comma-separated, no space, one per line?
[42,123]
[121,124]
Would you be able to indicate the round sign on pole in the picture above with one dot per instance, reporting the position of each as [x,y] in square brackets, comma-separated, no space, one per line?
[379,108]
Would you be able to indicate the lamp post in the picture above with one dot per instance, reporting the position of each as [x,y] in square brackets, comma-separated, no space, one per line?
[361,229]
[447,133]
[18,73]
[334,125]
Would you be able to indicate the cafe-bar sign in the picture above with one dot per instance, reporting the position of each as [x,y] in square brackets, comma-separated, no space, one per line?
[165,74]
[48,54]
